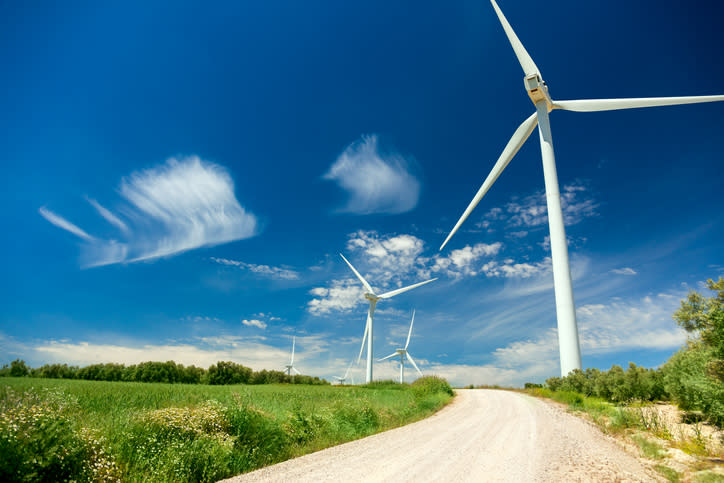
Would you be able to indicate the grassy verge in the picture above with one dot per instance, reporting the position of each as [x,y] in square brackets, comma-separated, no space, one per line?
[655,436]
[57,430]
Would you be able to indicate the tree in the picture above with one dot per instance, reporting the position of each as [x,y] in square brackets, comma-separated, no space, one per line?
[704,317]
[18,368]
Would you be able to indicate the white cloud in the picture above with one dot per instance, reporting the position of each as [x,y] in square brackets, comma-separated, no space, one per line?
[110,217]
[265,270]
[254,323]
[61,222]
[509,269]
[617,327]
[376,182]
[531,211]
[180,205]
[624,271]
[342,296]
[464,261]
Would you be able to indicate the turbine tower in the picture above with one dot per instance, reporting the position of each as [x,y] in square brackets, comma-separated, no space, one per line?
[373,298]
[538,92]
[403,353]
[290,367]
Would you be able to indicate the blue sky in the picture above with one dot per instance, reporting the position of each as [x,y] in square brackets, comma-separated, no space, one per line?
[178,180]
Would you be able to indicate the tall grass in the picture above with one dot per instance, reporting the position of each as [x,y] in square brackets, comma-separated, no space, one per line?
[176,432]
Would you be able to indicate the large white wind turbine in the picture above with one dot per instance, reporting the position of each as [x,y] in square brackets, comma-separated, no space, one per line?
[373,298]
[403,353]
[290,367]
[538,92]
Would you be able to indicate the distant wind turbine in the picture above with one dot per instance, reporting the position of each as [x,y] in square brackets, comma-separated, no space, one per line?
[403,353]
[537,89]
[344,378]
[290,367]
[373,298]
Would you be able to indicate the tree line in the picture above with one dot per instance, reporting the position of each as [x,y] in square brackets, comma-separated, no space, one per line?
[223,372]
[693,377]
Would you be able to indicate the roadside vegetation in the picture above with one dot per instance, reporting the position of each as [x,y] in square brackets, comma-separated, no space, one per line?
[63,430]
[674,414]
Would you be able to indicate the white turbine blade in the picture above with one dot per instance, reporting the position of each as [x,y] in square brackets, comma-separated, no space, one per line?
[519,137]
[364,336]
[385,358]
[410,332]
[295,370]
[294,340]
[398,291]
[413,362]
[526,62]
[592,105]
[360,277]
[346,373]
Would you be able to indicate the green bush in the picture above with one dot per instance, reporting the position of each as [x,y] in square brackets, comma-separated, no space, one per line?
[431,385]
[38,441]
[687,380]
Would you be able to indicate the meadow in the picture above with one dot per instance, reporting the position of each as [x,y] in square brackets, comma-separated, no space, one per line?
[61,430]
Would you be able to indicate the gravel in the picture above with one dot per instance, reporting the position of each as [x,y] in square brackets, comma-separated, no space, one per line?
[483,435]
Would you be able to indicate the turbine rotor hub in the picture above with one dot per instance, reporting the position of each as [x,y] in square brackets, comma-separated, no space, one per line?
[371,297]
[538,90]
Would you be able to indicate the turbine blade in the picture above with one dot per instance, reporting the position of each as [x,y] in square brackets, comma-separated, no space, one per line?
[592,105]
[294,340]
[295,370]
[398,291]
[387,357]
[367,328]
[410,332]
[413,362]
[360,277]
[338,378]
[346,373]
[519,137]
[526,62]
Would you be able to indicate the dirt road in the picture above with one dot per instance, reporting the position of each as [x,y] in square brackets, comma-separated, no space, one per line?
[483,435]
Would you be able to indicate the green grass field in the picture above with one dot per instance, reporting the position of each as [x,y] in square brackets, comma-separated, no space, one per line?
[53,430]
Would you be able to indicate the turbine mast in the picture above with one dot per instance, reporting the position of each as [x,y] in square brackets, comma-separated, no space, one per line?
[570,351]
[370,321]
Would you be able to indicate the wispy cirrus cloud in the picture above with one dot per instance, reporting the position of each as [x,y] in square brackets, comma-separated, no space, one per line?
[624,271]
[61,222]
[109,217]
[376,182]
[618,326]
[177,206]
[265,270]
[531,211]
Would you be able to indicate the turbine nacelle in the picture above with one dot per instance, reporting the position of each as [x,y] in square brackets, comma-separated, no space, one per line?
[538,90]
[371,297]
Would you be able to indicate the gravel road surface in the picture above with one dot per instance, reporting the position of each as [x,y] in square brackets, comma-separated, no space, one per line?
[482,436]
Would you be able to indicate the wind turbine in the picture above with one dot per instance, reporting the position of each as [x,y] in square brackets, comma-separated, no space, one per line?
[403,353]
[344,378]
[538,92]
[373,298]
[290,367]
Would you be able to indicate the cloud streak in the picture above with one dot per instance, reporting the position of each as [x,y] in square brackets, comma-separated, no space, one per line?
[177,206]
[61,222]
[376,182]
[265,270]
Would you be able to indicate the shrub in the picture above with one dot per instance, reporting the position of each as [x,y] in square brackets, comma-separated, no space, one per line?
[687,380]
[38,441]
[431,385]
